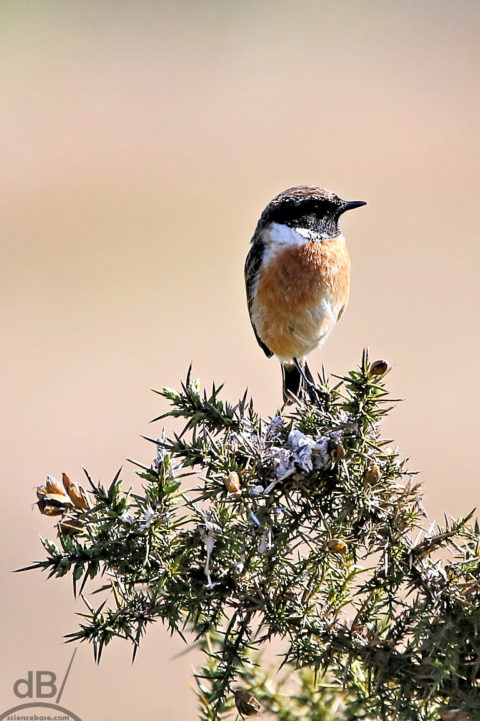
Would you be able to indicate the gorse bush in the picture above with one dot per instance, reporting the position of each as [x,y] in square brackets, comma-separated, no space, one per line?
[306,527]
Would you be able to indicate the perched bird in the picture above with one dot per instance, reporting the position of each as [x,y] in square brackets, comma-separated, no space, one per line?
[297,276]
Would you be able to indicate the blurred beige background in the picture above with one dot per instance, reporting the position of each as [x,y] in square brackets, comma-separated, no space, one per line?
[140,142]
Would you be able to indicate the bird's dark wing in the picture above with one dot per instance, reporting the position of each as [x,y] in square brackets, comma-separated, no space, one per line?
[252,267]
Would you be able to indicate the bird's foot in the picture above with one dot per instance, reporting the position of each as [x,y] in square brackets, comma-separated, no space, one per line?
[316,396]
[311,391]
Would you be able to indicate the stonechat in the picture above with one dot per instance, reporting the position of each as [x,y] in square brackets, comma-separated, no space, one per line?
[297,275]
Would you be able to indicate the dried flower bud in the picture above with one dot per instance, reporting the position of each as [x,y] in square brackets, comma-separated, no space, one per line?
[372,475]
[337,545]
[52,499]
[55,499]
[76,493]
[337,451]
[246,702]
[232,484]
[379,367]
[71,526]
[54,504]
[450,713]
[51,486]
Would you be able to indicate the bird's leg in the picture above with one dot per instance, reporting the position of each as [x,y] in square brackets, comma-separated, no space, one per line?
[308,381]
[316,396]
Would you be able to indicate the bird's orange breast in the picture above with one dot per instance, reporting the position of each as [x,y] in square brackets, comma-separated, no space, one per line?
[301,292]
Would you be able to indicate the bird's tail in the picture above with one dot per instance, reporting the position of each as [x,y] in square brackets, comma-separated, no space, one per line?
[294,385]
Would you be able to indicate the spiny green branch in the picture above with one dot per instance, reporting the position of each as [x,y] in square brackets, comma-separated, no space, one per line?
[305,527]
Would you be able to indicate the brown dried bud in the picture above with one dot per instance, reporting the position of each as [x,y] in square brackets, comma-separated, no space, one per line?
[55,499]
[379,367]
[76,493]
[337,545]
[246,703]
[232,484]
[54,504]
[337,451]
[52,499]
[51,486]
[71,526]
[372,475]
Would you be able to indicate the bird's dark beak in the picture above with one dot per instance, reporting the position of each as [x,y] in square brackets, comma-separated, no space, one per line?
[351,204]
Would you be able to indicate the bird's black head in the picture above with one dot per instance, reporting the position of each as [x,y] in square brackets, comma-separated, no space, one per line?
[305,206]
